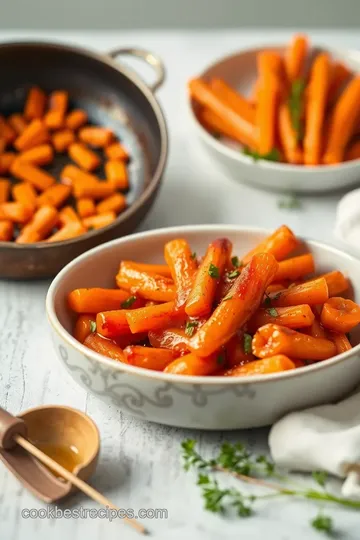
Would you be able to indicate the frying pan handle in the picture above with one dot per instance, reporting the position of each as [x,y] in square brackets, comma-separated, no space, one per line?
[150,58]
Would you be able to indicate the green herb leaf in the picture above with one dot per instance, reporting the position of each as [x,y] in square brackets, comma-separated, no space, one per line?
[234,274]
[227,298]
[93,326]
[291,202]
[323,523]
[236,262]
[190,328]
[193,255]
[247,343]
[203,479]
[214,271]
[129,302]
[320,477]
[267,301]
[273,155]
[272,312]
[296,105]
[269,467]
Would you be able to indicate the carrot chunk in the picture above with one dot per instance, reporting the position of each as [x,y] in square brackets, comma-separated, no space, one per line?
[84,157]
[105,347]
[34,134]
[116,174]
[340,315]
[76,119]
[35,104]
[274,364]
[63,139]
[95,136]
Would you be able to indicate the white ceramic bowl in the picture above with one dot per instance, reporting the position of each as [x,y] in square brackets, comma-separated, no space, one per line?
[239,71]
[187,401]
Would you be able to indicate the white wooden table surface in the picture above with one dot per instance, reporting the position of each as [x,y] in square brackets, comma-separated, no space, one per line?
[139,465]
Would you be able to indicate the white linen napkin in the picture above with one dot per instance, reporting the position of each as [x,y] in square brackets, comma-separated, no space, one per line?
[347,223]
[322,438]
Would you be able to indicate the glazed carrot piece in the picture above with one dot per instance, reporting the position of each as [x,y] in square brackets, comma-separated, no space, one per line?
[148,357]
[316,329]
[266,112]
[94,300]
[58,102]
[153,317]
[353,151]
[316,99]
[93,190]
[116,151]
[62,140]
[84,326]
[273,339]
[6,131]
[35,103]
[76,119]
[288,136]
[4,190]
[202,93]
[291,317]
[99,221]
[280,244]
[72,230]
[234,99]
[337,283]
[341,341]
[115,203]
[68,215]
[96,136]
[105,347]
[235,352]
[112,324]
[16,212]
[147,285]
[3,145]
[6,160]
[71,174]
[34,134]
[171,338]
[85,207]
[190,364]
[160,269]
[55,195]
[202,294]
[27,172]
[295,268]
[84,157]
[340,74]
[25,194]
[274,288]
[215,125]
[116,174]
[340,315]
[41,224]
[237,307]
[17,122]
[183,267]
[39,155]
[311,292]
[342,122]
[270,62]
[295,57]
[6,230]
[274,364]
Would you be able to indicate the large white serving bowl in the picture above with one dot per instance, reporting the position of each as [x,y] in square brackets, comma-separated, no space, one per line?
[239,71]
[194,402]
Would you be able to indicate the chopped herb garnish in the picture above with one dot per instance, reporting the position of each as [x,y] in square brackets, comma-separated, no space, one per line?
[320,477]
[267,301]
[190,328]
[323,523]
[272,311]
[296,107]
[235,262]
[220,359]
[129,302]
[247,343]
[227,298]
[234,274]
[93,326]
[273,155]
[214,271]
[289,203]
[193,255]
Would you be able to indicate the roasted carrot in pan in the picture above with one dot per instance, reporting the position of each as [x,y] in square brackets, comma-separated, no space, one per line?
[340,315]
[16,212]
[35,104]
[353,151]
[280,244]
[105,347]
[96,299]
[41,224]
[202,93]
[295,268]
[6,160]
[85,207]
[6,131]
[272,339]
[337,283]
[62,139]
[68,215]
[274,364]
[341,341]
[55,195]
[172,338]
[4,190]
[71,175]
[340,74]
[17,122]
[116,174]
[149,357]
[6,230]
[58,102]
[183,267]
[83,156]
[288,136]
[3,145]
[291,317]
[72,230]
[295,57]
[99,221]
[25,193]
[234,99]
[34,134]
[38,155]
[84,326]
[116,151]
[76,119]
[311,292]
[191,364]
[237,307]
[148,285]
[115,203]
[40,179]
[154,317]
[95,136]
[316,100]
[93,190]
[342,122]
[200,300]
[160,269]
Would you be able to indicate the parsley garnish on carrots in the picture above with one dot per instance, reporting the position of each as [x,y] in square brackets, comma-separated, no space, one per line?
[214,271]
[272,311]
[296,106]
[129,302]
[190,328]
[236,262]
[234,274]
[93,326]
[247,343]
[273,155]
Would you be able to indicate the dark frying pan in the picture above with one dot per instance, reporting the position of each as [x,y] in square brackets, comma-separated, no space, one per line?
[113,96]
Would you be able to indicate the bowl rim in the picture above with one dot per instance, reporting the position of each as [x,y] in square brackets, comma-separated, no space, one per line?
[248,160]
[164,139]
[185,379]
